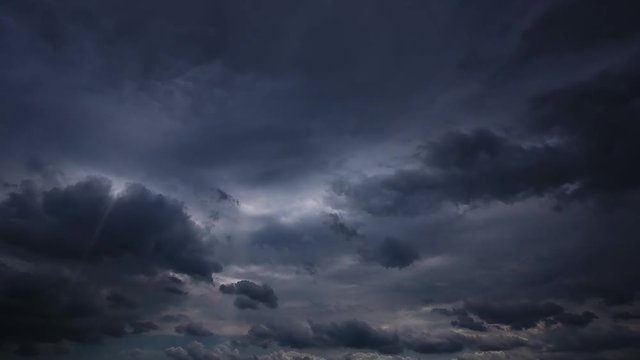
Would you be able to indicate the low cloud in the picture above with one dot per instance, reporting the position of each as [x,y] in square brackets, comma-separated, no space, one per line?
[249,294]
[193,329]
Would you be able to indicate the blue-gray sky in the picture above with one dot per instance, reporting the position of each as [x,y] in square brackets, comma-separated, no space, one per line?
[347,180]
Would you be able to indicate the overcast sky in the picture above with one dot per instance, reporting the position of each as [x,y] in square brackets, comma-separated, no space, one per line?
[345,180]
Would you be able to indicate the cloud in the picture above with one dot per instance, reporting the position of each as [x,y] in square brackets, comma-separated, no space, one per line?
[531,173]
[424,345]
[48,307]
[177,353]
[102,261]
[338,226]
[174,318]
[353,334]
[289,355]
[356,334]
[198,351]
[577,26]
[391,253]
[291,335]
[577,320]
[250,294]
[119,300]
[518,316]
[139,327]
[591,340]
[593,154]
[193,329]
[625,316]
[86,222]
[500,341]
[242,302]
[467,322]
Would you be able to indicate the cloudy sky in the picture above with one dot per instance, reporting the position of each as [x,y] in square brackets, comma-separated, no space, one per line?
[346,180]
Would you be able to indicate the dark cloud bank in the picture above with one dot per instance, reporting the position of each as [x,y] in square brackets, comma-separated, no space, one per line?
[78,252]
[249,294]
[348,159]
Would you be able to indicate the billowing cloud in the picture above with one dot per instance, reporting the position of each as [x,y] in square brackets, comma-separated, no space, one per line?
[193,329]
[354,334]
[85,221]
[249,294]
[98,254]
[367,160]
[517,315]
[392,253]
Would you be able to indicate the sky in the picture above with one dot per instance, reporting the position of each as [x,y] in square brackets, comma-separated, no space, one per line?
[319,180]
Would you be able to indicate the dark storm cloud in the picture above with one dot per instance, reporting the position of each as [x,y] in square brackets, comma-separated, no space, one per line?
[465,167]
[173,285]
[193,329]
[625,316]
[139,327]
[338,226]
[467,322]
[177,353]
[49,307]
[356,334]
[117,29]
[517,315]
[353,334]
[119,300]
[580,143]
[495,342]
[434,346]
[290,335]
[591,340]
[577,320]
[303,241]
[597,119]
[194,351]
[391,253]
[265,99]
[250,294]
[243,302]
[463,319]
[174,318]
[86,222]
[175,290]
[86,242]
[578,25]
[257,93]
[224,196]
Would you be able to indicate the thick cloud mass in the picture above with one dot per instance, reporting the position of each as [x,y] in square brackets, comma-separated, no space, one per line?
[86,222]
[580,143]
[381,179]
[193,329]
[250,294]
[392,253]
[518,315]
[85,242]
[351,334]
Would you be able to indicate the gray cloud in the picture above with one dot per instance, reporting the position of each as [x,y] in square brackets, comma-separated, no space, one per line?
[576,26]
[98,255]
[250,294]
[193,329]
[288,139]
[590,157]
[85,222]
[351,334]
[391,253]
[516,315]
